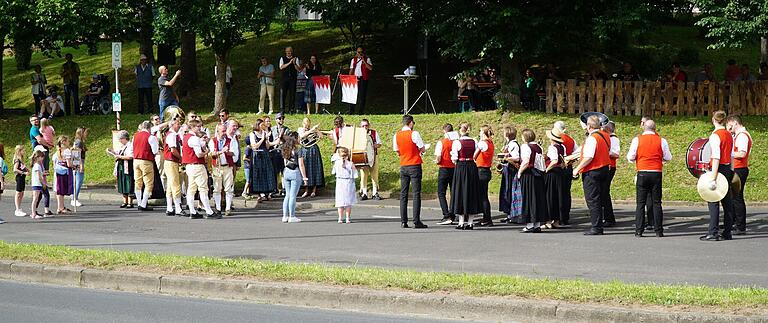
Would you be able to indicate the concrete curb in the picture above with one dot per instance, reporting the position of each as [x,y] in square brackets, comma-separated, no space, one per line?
[438,305]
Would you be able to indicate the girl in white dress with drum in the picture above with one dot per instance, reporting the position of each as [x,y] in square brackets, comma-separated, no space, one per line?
[346,173]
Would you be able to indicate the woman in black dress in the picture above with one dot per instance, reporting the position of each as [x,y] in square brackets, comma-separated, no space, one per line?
[465,189]
[531,175]
[262,173]
[554,180]
[509,182]
[313,69]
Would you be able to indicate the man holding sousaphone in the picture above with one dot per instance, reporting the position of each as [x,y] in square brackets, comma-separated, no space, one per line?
[594,169]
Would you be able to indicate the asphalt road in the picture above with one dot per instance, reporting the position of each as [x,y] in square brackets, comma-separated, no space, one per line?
[375,239]
[42,303]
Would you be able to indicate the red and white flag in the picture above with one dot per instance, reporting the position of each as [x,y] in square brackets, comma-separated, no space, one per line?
[322,88]
[348,89]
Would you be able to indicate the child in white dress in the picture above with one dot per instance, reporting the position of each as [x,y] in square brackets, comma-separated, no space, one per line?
[346,173]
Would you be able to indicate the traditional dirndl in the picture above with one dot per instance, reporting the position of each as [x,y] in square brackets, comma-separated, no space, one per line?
[465,189]
[554,188]
[508,174]
[313,164]
[125,182]
[65,184]
[262,174]
[309,91]
[534,202]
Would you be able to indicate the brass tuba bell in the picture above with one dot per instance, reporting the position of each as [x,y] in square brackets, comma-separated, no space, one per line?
[173,112]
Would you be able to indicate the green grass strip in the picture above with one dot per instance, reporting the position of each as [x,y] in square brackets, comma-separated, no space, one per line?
[582,291]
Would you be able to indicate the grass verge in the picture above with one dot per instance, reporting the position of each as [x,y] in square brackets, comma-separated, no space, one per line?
[742,299]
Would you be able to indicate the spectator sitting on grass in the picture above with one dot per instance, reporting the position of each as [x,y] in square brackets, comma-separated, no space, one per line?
[53,105]
[732,70]
[745,75]
[763,72]
[627,73]
[706,74]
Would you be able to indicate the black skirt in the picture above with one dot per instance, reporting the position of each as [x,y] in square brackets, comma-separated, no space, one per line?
[534,202]
[465,189]
[508,174]
[554,183]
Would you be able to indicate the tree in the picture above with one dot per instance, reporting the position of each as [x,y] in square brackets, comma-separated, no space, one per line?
[288,14]
[357,20]
[735,23]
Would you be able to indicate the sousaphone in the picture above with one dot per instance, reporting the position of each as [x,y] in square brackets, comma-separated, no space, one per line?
[585,116]
[173,112]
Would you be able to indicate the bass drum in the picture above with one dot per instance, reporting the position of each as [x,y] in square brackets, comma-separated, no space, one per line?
[698,156]
[364,158]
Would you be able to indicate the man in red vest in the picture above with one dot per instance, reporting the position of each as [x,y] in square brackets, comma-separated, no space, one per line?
[742,147]
[445,173]
[593,167]
[361,67]
[721,145]
[223,150]
[409,146]
[145,146]
[171,169]
[649,152]
[371,172]
[193,153]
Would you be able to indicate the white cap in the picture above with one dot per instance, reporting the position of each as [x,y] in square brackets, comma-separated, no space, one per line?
[560,125]
[39,148]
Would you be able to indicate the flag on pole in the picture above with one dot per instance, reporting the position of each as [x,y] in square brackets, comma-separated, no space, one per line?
[322,88]
[348,89]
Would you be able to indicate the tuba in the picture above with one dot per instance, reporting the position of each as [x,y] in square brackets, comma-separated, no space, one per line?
[173,112]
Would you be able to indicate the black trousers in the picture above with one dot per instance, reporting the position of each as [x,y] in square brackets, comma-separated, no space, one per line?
[38,102]
[71,94]
[728,210]
[608,215]
[596,186]
[287,95]
[444,180]
[484,174]
[145,97]
[565,203]
[362,93]
[410,176]
[739,206]
[648,197]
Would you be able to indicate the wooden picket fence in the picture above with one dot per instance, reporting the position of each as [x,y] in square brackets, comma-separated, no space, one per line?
[656,97]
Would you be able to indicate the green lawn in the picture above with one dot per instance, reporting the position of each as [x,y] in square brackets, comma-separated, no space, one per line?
[680,131]
[742,300]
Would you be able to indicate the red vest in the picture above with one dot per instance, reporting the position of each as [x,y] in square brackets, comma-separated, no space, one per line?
[188,155]
[568,143]
[650,155]
[467,150]
[141,148]
[485,158]
[726,146]
[445,154]
[602,156]
[229,158]
[612,159]
[372,133]
[409,152]
[742,162]
[167,155]
[363,69]
[337,131]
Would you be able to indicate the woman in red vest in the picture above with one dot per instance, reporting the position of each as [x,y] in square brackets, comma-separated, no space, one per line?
[531,175]
[483,156]
[465,190]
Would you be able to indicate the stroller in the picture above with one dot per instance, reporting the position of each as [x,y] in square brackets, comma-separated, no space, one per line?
[98,104]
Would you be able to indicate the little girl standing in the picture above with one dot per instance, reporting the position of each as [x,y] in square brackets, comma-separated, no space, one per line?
[62,161]
[39,185]
[346,173]
[21,172]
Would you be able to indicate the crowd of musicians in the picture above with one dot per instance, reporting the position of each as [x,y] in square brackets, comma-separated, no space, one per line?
[183,158]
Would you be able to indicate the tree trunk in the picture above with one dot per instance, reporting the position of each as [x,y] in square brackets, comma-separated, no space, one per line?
[220,93]
[509,94]
[2,97]
[23,55]
[146,30]
[188,63]
[764,49]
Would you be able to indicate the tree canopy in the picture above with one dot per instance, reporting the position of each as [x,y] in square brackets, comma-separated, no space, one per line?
[735,23]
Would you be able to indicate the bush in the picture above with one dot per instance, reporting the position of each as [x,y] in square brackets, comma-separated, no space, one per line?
[688,56]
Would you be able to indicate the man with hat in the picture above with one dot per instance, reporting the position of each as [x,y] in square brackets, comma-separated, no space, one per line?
[570,148]
[594,169]
[145,73]
[742,146]
[649,152]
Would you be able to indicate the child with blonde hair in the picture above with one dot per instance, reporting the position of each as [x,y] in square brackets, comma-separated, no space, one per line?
[346,173]
[21,172]
[62,163]
[39,183]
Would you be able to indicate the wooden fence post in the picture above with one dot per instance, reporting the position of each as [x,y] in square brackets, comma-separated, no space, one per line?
[638,101]
[560,94]
[550,95]
[599,96]
[610,88]
[582,97]
[571,85]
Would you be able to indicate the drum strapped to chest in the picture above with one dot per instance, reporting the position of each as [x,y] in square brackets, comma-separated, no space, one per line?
[360,146]
[698,157]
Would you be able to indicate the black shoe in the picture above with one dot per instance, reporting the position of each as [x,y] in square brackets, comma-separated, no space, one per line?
[469,226]
[460,227]
[593,233]
[419,225]
[144,209]
[363,197]
[726,237]
[531,230]
[649,228]
[170,213]
[709,237]
[562,223]
[739,232]
[404,225]
[376,197]
[129,206]
[182,213]
[124,205]
[506,220]
[195,216]
[609,224]
[638,234]
[485,224]
[659,234]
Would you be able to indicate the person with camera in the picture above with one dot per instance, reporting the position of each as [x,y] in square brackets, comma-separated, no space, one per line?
[167,96]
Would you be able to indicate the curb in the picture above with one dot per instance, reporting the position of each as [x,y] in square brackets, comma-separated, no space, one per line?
[437,305]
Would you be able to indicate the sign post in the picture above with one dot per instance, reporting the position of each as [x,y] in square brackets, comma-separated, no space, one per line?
[117,63]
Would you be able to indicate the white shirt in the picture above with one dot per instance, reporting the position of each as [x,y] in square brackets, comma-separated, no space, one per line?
[714,143]
[615,146]
[233,147]
[170,140]
[590,145]
[553,155]
[194,143]
[359,67]
[481,145]
[632,154]
[56,104]
[453,135]
[513,149]
[525,157]
[415,137]
[37,173]
[741,142]
[344,169]
[153,144]
[336,138]
[456,146]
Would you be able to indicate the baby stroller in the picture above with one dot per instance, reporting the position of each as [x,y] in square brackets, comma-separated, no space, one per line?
[100,103]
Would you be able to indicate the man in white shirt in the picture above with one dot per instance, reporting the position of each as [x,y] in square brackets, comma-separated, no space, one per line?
[290,66]
[360,66]
[742,147]
[409,146]
[371,172]
[594,169]
[223,158]
[649,152]
[53,105]
[171,169]
[608,216]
